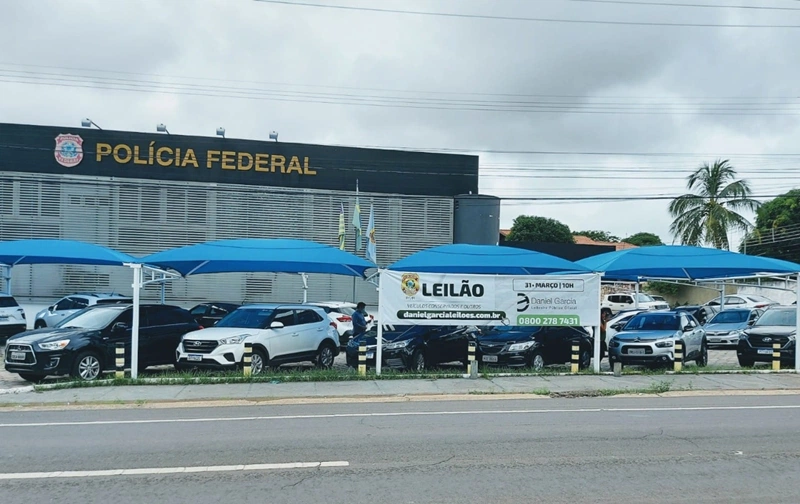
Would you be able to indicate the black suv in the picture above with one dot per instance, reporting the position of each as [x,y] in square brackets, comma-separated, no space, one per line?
[208,314]
[778,324]
[534,347]
[84,344]
[414,347]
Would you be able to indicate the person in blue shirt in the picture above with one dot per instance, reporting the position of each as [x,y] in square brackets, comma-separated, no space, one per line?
[359,320]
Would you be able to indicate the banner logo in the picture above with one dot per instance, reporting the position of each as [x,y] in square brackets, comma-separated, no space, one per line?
[409,283]
[69,150]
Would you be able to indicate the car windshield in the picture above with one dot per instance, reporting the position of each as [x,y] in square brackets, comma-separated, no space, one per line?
[730,317]
[644,298]
[247,318]
[91,318]
[654,322]
[345,310]
[778,318]
[8,302]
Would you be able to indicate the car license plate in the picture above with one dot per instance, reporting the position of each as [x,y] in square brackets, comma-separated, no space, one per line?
[765,351]
[489,358]
[3,317]
[713,340]
[636,351]
[370,355]
[17,355]
[195,358]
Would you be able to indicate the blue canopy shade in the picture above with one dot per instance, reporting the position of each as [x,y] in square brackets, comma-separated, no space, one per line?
[485,260]
[683,263]
[42,251]
[259,255]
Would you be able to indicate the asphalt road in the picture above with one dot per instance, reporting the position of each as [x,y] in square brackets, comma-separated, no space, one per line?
[733,449]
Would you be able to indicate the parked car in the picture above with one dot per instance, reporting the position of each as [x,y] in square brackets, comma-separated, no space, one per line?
[778,324]
[208,314]
[341,316]
[84,345]
[649,339]
[659,299]
[724,329]
[280,334]
[68,305]
[744,301]
[12,317]
[534,347]
[418,348]
[701,313]
[626,301]
[370,340]
[618,321]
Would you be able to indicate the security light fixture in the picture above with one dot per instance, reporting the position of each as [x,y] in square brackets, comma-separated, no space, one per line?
[88,123]
[273,135]
[221,132]
[162,128]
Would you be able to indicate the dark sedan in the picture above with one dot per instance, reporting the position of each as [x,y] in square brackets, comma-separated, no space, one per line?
[208,314]
[534,347]
[701,313]
[84,344]
[415,347]
[778,324]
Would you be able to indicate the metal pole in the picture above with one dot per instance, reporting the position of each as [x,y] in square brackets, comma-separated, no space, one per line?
[163,288]
[7,277]
[597,346]
[722,298]
[381,321]
[797,329]
[137,285]
[636,295]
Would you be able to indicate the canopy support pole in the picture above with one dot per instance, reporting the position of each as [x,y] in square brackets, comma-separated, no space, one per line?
[163,288]
[381,318]
[7,278]
[797,329]
[636,295]
[137,285]
[305,287]
[722,298]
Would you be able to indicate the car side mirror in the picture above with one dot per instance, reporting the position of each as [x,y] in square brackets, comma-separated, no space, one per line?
[119,327]
[51,309]
[687,328]
[617,327]
[276,325]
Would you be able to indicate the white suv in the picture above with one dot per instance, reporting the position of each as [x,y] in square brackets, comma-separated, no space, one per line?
[280,334]
[12,318]
[625,301]
[340,313]
[68,305]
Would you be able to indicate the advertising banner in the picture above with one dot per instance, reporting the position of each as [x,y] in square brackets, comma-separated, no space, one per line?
[455,299]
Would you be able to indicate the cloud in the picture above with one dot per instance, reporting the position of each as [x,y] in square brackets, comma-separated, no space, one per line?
[350,56]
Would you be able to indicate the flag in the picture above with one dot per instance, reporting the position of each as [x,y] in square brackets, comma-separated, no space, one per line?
[371,245]
[342,228]
[357,222]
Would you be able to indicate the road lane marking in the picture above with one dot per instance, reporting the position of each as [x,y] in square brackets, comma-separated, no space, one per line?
[172,470]
[397,414]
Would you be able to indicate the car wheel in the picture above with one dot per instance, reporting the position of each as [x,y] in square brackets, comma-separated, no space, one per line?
[258,361]
[537,361]
[418,361]
[39,324]
[702,360]
[585,360]
[87,366]
[33,378]
[325,356]
[745,362]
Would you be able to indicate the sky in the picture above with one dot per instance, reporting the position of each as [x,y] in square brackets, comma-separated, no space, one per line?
[573,106]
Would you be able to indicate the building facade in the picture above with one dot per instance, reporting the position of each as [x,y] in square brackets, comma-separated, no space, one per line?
[141,193]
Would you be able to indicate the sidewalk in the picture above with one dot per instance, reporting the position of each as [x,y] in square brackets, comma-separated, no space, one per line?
[542,386]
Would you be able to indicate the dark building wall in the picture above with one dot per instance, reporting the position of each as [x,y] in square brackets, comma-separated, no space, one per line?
[568,251]
[476,219]
[106,153]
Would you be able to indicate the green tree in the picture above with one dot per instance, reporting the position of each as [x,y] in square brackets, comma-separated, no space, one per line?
[529,228]
[706,216]
[602,236]
[777,231]
[644,239]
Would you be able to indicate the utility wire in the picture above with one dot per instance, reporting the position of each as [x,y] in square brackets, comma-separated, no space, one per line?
[691,5]
[522,19]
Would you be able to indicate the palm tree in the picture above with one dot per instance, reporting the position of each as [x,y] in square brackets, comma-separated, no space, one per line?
[708,216]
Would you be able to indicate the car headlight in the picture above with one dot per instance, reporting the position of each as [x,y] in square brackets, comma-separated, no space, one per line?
[665,344]
[233,340]
[792,337]
[614,343]
[54,345]
[520,347]
[735,333]
[397,344]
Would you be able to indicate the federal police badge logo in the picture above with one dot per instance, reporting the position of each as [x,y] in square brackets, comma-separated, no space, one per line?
[409,283]
[69,150]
